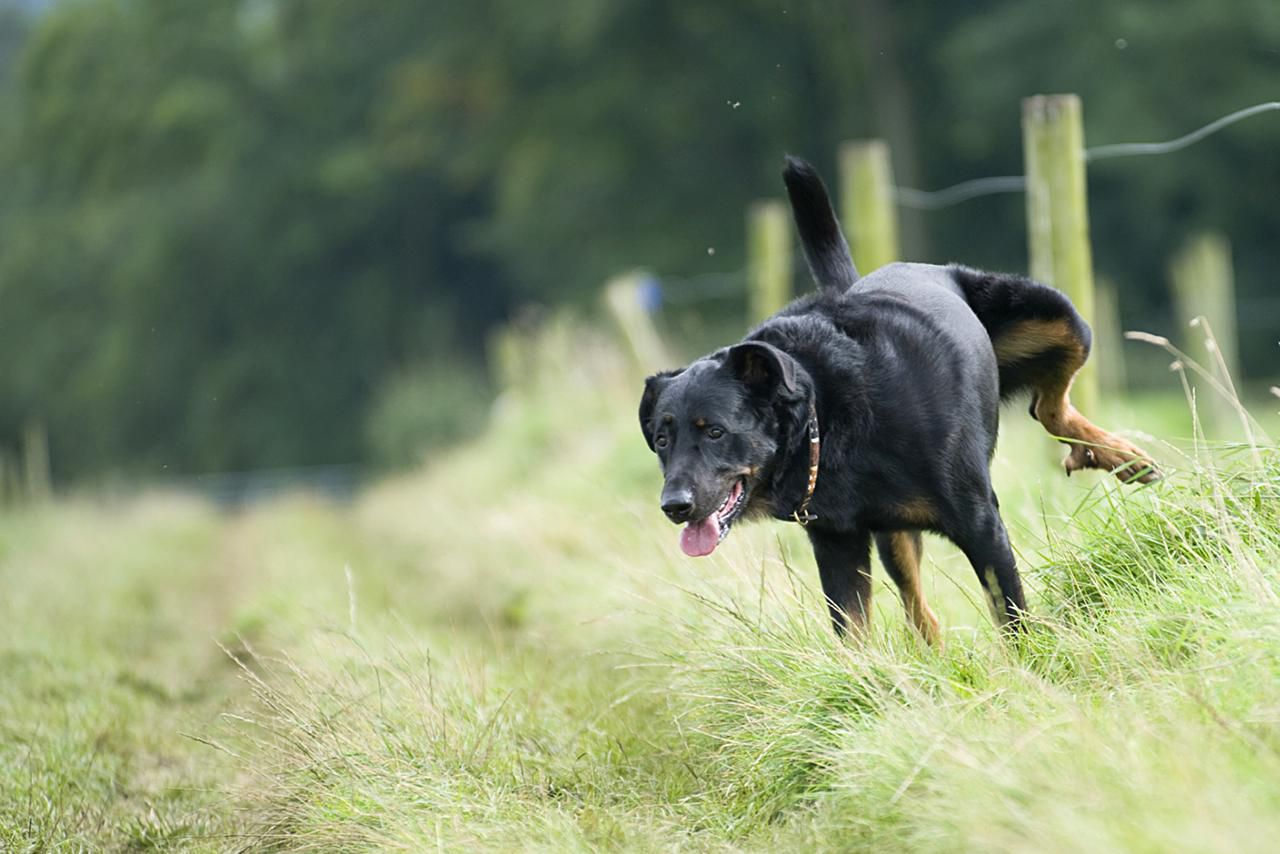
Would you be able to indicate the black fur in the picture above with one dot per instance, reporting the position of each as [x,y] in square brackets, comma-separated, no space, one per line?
[1001,301]
[904,378]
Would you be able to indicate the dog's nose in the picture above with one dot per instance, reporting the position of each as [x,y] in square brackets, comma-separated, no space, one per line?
[678,504]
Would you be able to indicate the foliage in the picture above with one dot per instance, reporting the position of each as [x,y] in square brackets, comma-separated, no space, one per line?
[419,410]
[506,650]
[226,226]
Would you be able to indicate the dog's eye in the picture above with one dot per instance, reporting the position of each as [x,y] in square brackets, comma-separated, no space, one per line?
[715,433]
[660,442]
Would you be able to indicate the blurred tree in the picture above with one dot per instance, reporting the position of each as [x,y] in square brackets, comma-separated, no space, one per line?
[229,231]
[13,31]
[1147,70]
[209,226]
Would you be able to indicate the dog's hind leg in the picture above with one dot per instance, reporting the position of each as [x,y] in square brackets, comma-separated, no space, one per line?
[1041,342]
[900,552]
[1046,355]
[844,565]
[985,543]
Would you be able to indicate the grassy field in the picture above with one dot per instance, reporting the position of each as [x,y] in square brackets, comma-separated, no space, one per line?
[507,651]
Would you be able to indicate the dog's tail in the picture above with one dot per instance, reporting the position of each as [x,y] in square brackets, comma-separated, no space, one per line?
[825,248]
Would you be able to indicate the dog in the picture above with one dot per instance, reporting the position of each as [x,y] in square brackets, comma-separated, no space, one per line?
[868,411]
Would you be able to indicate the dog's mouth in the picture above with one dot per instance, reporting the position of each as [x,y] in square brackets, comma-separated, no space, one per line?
[699,539]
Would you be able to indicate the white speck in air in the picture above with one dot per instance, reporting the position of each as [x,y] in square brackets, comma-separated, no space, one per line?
[1121,44]
[711,250]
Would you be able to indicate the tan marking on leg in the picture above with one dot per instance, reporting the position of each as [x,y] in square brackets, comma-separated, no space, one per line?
[1091,446]
[855,613]
[1033,337]
[917,511]
[906,558]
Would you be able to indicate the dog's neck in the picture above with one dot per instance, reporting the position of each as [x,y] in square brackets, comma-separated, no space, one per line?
[796,466]
[841,393]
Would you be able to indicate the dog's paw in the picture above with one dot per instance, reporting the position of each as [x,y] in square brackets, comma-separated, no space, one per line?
[1126,461]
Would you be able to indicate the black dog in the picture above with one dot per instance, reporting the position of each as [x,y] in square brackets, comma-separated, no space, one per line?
[869,410]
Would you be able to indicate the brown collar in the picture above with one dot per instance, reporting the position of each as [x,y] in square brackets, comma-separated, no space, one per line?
[802,514]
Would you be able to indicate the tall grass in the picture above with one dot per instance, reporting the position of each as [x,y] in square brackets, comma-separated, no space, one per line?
[617,700]
[1141,713]
[507,651]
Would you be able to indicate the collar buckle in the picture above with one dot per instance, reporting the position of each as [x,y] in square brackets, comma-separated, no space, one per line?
[803,517]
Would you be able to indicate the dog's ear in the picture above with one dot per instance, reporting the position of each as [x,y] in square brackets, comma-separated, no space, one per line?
[764,368]
[653,387]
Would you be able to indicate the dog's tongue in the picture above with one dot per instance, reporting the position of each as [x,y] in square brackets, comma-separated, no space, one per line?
[699,539]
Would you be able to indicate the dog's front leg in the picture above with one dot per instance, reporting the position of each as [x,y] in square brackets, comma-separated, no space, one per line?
[844,565]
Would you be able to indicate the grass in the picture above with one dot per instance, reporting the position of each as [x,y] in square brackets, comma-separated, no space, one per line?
[103,619]
[506,651]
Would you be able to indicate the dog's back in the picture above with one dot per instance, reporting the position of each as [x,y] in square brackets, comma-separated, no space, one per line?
[926,288]
[1027,325]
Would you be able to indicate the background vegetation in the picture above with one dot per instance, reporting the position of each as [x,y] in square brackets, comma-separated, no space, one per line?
[262,233]
[229,230]
[507,651]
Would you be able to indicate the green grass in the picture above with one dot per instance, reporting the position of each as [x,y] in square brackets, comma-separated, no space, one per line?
[507,651]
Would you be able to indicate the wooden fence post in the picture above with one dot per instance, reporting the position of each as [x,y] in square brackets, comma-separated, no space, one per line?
[869,211]
[1058,212]
[1204,286]
[35,462]
[768,258]
[625,300]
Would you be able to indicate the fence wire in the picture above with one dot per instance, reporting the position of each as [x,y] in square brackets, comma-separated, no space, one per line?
[932,200]
[689,289]
[1133,149]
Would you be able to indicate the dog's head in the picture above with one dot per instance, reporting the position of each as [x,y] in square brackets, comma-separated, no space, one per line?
[716,427]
